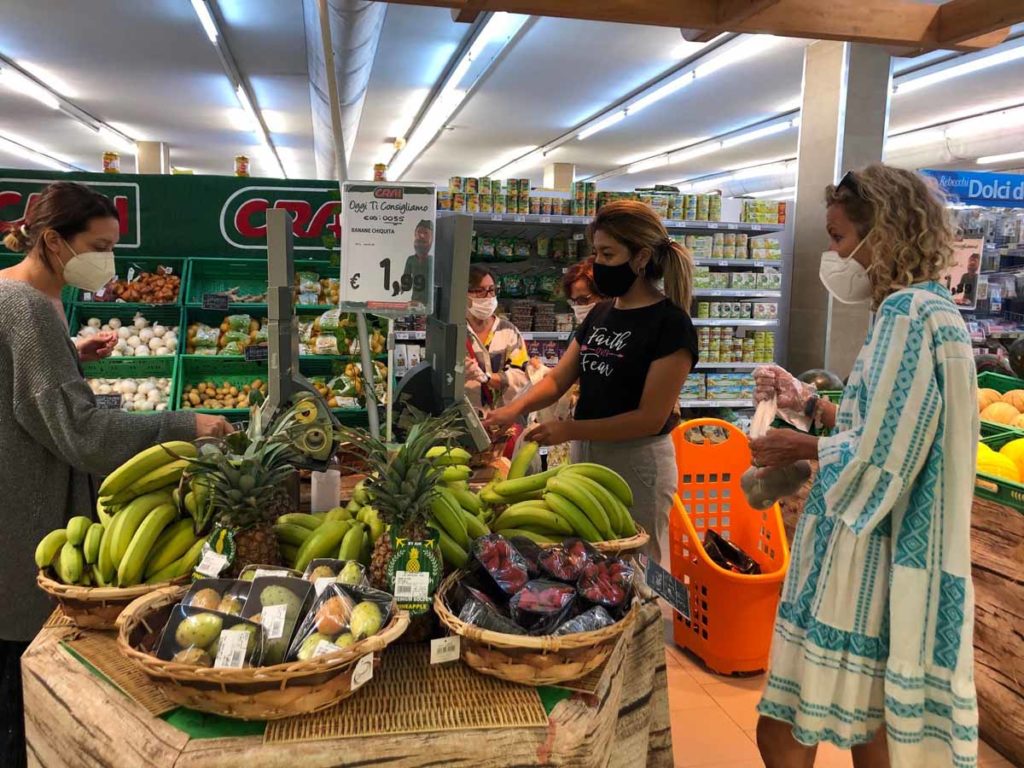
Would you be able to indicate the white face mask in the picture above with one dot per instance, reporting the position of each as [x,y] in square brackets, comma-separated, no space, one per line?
[846,279]
[581,312]
[482,309]
[89,271]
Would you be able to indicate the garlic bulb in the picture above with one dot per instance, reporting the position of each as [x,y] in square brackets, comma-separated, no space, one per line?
[93,322]
[114,323]
[159,330]
[140,322]
[134,341]
[87,331]
[145,405]
[128,387]
[162,351]
[124,333]
[154,343]
[146,335]
[154,396]
[142,351]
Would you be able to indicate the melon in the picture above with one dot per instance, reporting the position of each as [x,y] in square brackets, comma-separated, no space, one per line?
[1018,423]
[987,397]
[1000,413]
[1015,398]
[997,465]
[1014,451]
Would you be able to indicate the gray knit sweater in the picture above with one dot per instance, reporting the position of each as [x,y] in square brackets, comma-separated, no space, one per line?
[53,439]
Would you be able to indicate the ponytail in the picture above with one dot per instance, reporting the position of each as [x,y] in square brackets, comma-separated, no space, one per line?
[677,269]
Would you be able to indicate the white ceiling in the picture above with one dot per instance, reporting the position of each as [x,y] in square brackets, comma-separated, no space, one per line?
[148,69]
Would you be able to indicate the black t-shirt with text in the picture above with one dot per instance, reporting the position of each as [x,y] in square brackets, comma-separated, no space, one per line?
[617,347]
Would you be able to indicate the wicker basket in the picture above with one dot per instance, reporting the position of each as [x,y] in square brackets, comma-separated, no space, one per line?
[616,547]
[544,660]
[93,607]
[254,693]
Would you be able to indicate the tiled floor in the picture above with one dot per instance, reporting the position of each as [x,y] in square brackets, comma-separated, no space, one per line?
[713,720]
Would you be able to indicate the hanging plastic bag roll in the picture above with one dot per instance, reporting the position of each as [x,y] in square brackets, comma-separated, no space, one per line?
[764,487]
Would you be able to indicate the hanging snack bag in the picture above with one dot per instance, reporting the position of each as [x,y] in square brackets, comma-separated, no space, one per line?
[202,335]
[205,638]
[341,616]
[541,605]
[590,620]
[502,570]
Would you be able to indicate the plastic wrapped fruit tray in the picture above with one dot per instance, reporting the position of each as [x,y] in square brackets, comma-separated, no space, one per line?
[248,693]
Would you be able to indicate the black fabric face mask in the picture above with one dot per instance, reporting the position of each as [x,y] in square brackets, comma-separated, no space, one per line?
[614,281]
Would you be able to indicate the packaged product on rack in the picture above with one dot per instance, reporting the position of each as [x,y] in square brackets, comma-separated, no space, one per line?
[486,616]
[567,560]
[323,571]
[201,335]
[590,620]
[531,552]
[541,605]
[206,638]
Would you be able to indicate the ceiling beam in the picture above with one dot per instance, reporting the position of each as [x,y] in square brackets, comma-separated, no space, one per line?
[880,22]
[468,11]
[729,13]
[960,20]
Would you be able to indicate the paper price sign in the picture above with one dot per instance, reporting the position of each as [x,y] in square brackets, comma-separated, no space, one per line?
[363,671]
[666,586]
[212,564]
[387,264]
[231,651]
[412,587]
[445,649]
[273,620]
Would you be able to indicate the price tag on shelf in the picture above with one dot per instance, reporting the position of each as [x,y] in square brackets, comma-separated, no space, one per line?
[545,219]
[732,226]
[412,587]
[258,354]
[712,225]
[363,671]
[497,217]
[519,219]
[273,617]
[666,586]
[445,649]
[324,647]
[219,301]
[212,563]
[231,651]
[108,402]
[568,220]
[131,274]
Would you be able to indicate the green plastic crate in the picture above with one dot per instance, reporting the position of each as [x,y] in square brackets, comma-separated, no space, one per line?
[163,367]
[997,489]
[249,276]
[156,313]
[1001,384]
[141,264]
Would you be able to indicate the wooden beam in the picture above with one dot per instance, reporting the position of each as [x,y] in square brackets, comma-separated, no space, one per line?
[729,13]
[899,23]
[960,20]
[468,11]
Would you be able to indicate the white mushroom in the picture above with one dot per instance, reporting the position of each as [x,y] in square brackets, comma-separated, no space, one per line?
[134,341]
[159,330]
[93,322]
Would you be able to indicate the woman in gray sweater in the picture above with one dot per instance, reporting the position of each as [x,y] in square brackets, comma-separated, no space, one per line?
[53,438]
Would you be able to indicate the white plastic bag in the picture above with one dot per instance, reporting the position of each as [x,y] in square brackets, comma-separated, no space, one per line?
[764,487]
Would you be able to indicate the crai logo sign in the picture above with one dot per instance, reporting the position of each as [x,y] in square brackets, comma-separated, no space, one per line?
[18,195]
[316,224]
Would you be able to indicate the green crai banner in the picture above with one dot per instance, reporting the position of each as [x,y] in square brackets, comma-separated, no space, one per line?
[197,216]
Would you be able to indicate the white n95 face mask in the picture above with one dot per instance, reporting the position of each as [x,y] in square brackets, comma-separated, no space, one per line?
[89,271]
[581,312]
[846,279]
[482,309]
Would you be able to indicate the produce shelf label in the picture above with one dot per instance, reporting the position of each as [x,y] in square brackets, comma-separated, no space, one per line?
[445,649]
[416,569]
[388,236]
[666,586]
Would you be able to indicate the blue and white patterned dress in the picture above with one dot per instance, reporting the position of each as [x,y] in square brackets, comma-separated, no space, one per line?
[875,625]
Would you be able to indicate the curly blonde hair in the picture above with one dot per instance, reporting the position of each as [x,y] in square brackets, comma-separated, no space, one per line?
[905,222]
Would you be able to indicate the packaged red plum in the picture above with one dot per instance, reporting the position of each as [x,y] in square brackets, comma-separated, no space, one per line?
[607,582]
[566,561]
[541,605]
[502,563]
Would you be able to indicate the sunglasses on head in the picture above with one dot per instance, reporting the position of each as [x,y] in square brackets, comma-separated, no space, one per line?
[849,181]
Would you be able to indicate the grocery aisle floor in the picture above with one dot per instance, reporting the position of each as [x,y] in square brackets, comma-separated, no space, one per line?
[713,720]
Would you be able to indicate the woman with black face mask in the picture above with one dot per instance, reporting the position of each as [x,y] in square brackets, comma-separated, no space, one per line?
[631,355]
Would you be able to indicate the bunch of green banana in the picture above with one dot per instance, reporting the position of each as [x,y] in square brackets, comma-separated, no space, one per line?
[143,541]
[454,464]
[339,533]
[455,515]
[155,469]
[586,500]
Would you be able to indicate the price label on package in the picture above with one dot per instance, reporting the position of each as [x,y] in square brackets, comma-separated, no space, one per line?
[321,584]
[265,572]
[445,649]
[363,671]
[212,563]
[231,651]
[273,620]
[324,647]
[412,587]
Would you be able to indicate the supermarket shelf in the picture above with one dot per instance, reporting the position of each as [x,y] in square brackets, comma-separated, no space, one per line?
[582,221]
[716,403]
[734,321]
[728,366]
[547,335]
[738,262]
[739,293]
[410,335]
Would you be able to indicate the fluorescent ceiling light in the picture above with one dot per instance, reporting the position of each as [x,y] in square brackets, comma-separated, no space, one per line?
[206,19]
[36,155]
[989,159]
[773,192]
[959,70]
[668,89]
[914,139]
[250,111]
[507,159]
[118,139]
[646,165]
[796,102]
[1011,118]
[18,82]
[746,48]
[600,125]
[760,170]
[693,152]
[757,133]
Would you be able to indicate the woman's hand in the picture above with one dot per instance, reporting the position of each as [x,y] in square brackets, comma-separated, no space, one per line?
[782,447]
[212,426]
[772,381]
[500,418]
[551,433]
[473,371]
[96,347]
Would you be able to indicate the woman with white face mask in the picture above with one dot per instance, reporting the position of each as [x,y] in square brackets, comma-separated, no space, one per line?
[873,639]
[54,441]
[496,354]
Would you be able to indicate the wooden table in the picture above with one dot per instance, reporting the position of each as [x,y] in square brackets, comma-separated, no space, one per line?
[73,718]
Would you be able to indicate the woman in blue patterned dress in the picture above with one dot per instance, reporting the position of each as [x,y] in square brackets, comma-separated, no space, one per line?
[875,624]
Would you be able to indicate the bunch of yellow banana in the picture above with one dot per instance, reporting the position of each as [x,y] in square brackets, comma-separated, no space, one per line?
[339,534]
[139,538]
[586,500]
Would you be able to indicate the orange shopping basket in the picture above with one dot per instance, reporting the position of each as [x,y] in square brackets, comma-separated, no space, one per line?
[731,615]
